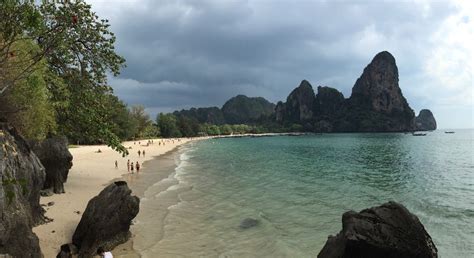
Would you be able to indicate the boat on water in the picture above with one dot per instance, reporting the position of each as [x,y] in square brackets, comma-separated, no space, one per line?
[449,132]
[418,134]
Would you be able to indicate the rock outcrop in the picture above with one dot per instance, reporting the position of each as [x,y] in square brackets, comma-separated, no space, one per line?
[425,121]
[329,103]
[377,102]
[56,159]
[375,105]
[299,104]
[242,109]
[106,220]
[389,230]
[22,179]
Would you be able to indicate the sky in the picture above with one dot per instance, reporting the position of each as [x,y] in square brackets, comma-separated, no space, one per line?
[200,53]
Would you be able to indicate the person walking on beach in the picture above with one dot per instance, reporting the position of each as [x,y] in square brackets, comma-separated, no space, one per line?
[137,165]
[131,167]
[128,165]
[116,164]
[139,152]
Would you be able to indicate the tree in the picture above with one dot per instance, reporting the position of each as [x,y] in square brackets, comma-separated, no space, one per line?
[213,130]
[27,106]
[167,123]
[78,49]
[188,127]
[225,129]
[141,120]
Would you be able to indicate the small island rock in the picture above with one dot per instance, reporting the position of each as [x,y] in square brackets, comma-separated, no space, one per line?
[425,121]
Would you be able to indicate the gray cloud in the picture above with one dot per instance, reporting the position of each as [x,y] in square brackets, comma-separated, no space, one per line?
[200,53]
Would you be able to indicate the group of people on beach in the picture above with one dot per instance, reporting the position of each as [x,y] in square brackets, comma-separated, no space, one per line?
[131,167]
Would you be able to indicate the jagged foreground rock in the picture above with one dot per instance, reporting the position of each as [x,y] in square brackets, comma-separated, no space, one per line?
[106,220]
[19,201]
[56,159]
[425,121]
[388,231]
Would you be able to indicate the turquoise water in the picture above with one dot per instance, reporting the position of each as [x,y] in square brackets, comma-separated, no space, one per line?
[298,187]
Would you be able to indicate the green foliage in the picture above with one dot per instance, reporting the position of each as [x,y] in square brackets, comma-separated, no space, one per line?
[140,119]
[210,115]
[151,131]
[56,56]
[225,129]
[188,127]
[28,106]
[242,109]
[167,123]
[9,182]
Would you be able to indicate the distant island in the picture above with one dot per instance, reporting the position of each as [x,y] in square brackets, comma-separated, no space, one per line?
[375,105]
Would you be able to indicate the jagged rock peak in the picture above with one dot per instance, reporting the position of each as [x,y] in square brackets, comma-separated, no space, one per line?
[305,84]
[384,56]
[377,88]
[299,104]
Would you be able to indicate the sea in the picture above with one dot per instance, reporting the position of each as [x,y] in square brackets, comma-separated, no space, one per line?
[194,199]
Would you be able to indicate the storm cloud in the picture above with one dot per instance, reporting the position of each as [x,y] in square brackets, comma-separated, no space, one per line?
[182,53]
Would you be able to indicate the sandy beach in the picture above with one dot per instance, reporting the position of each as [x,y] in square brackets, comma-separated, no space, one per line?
[90,173]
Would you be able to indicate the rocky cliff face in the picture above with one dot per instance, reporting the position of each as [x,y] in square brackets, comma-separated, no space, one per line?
[329,102]
[377,102]
[242,109]
[375,105]
[299,105]
[56,159]
[389,230]
[425,121]
[22,179]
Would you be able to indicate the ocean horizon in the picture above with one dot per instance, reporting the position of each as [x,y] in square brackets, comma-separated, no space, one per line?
[194,199]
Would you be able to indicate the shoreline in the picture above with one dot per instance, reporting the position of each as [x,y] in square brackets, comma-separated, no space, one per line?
[159,171]
[91,172]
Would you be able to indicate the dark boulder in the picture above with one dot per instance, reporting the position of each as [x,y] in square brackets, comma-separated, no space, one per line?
[22,179]
[389,230]
[425,121]
[106,220]
[56,159]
